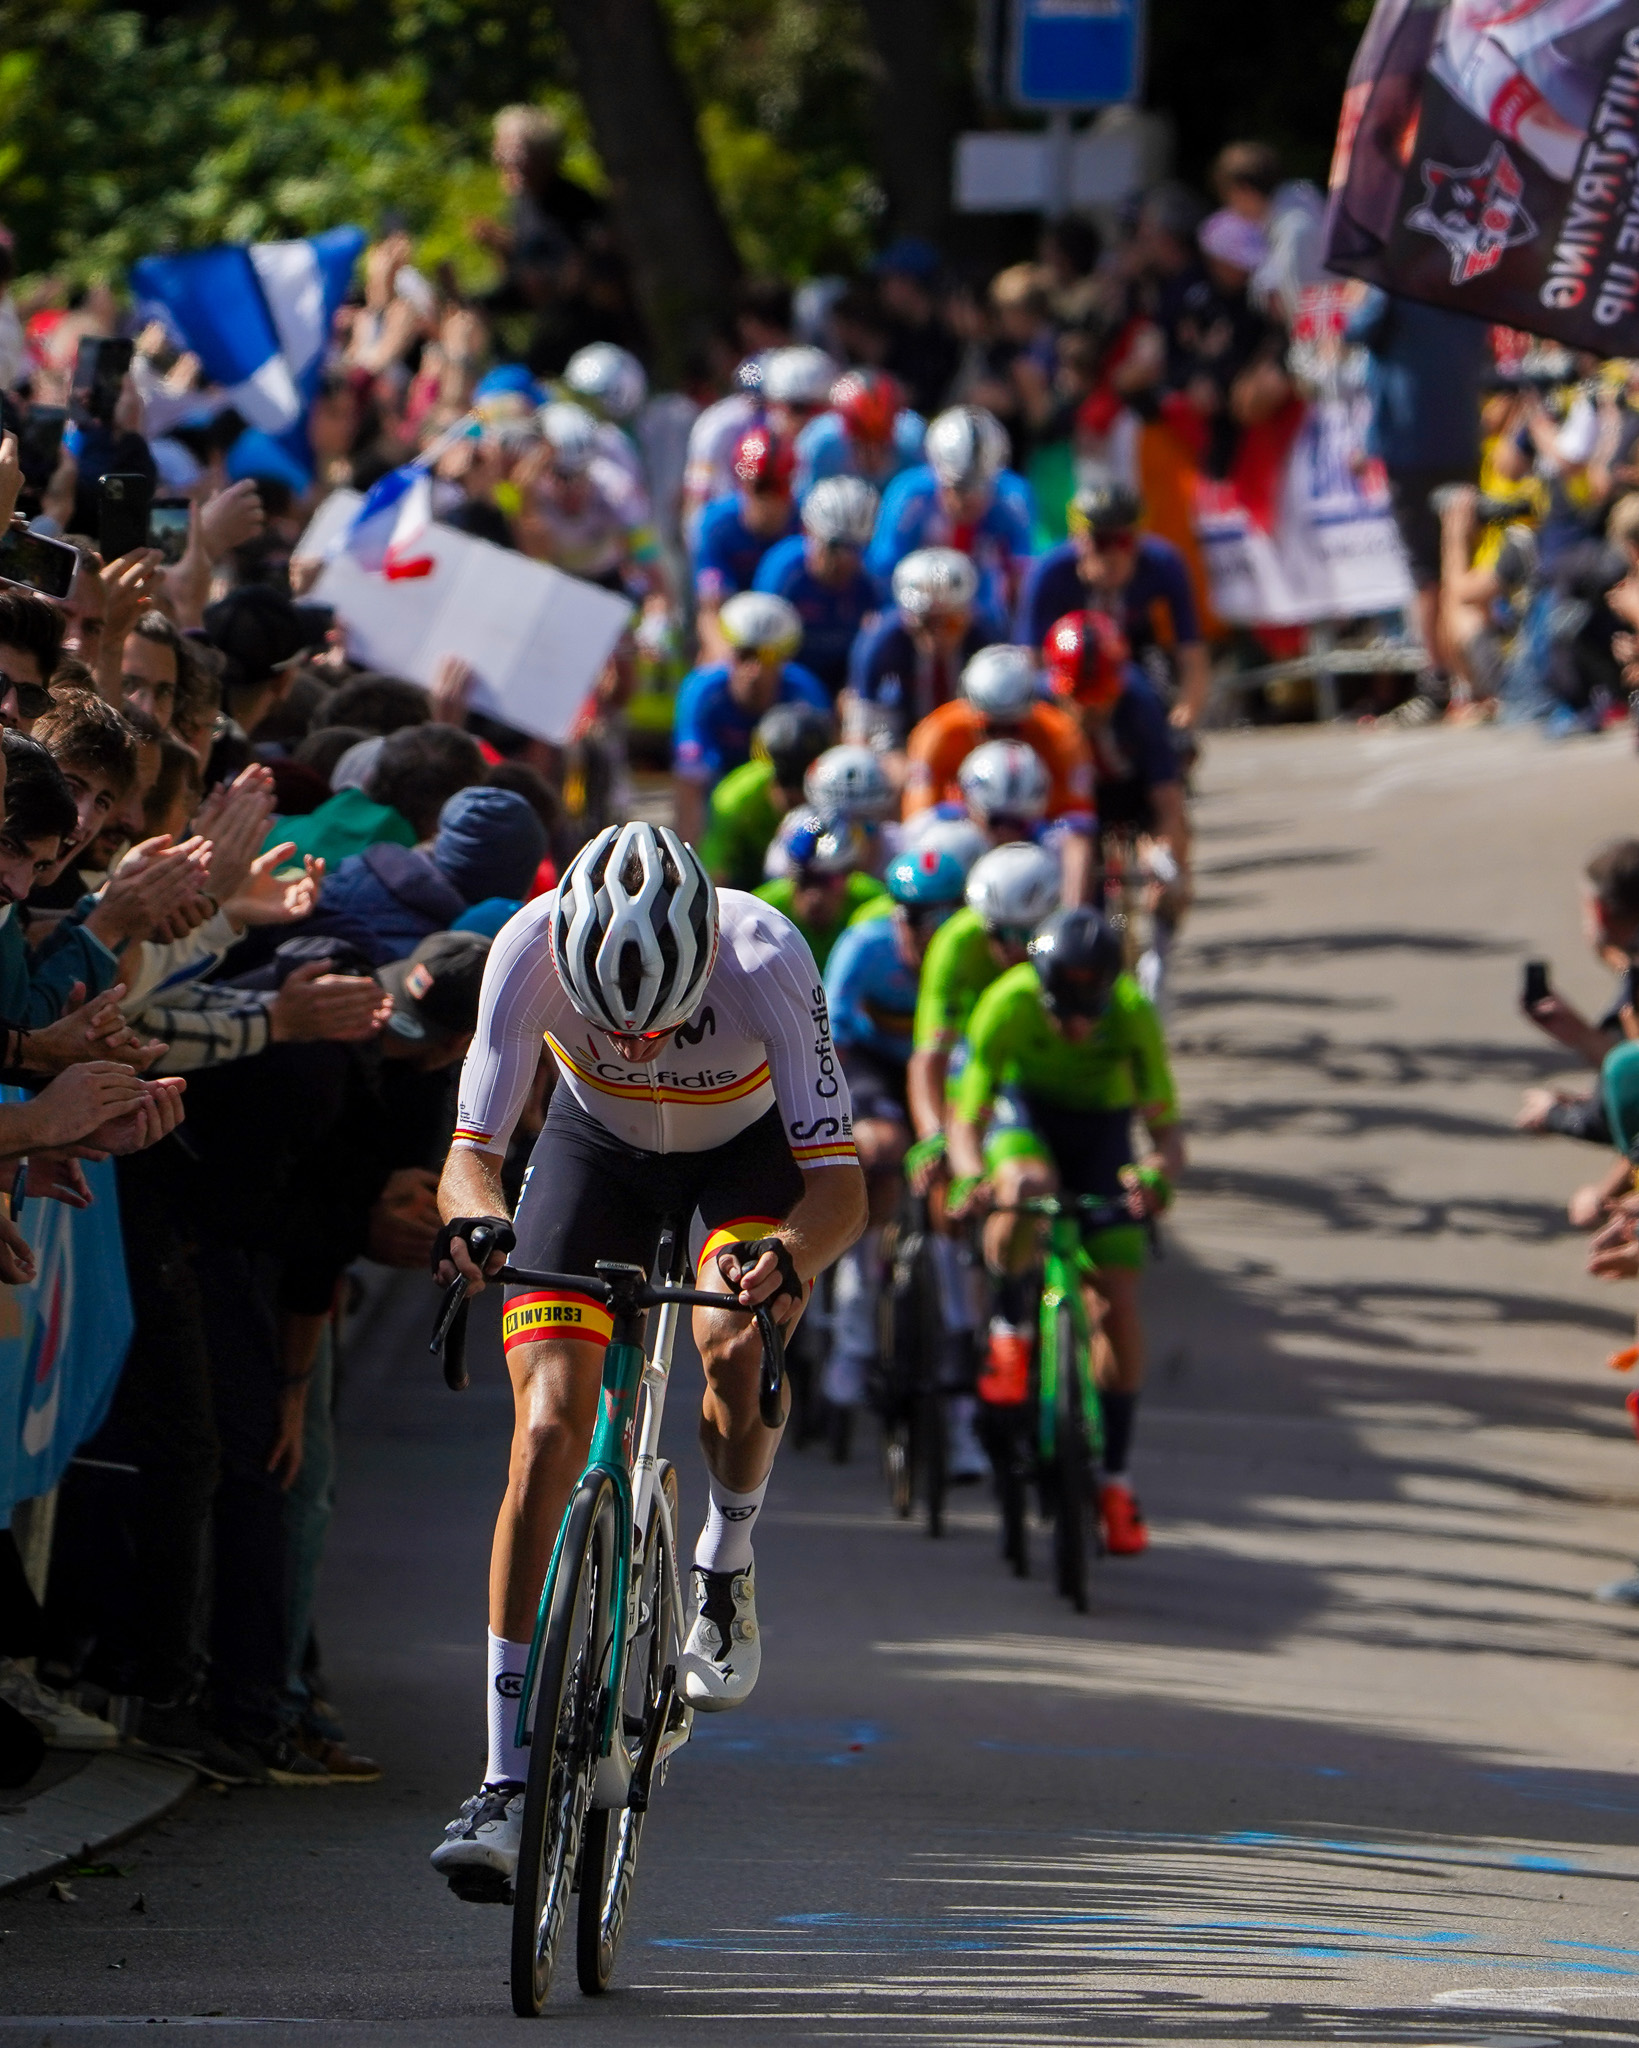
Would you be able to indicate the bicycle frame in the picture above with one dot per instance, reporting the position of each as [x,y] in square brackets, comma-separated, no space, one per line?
[1064,1268]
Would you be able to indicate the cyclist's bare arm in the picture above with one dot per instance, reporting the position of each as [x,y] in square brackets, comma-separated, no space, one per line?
[1194,683]
[925,1090]
[471,1186]
[964,1147]
[830,1214]
[1076,865]
[1172,820]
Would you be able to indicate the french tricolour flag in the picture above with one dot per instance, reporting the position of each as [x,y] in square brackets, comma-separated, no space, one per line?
[258,316]
[389,529]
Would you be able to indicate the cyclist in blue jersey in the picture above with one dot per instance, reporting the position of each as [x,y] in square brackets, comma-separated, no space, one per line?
[1141,580]
[820,573]
[736,532]
[869,432]
[962,496]
[718,706]
[910,660]
[871,983]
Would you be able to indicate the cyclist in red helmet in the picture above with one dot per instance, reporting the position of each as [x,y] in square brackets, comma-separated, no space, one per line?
[736,531]
[869,432]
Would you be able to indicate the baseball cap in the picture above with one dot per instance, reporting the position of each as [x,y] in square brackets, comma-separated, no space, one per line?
[435,991]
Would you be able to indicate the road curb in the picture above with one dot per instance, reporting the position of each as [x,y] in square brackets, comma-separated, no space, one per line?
[112,1797]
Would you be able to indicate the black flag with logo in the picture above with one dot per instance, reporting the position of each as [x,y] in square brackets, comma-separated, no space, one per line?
[1488,160]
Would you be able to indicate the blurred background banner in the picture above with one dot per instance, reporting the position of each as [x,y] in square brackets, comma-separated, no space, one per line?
[63,1339]
[1485,161]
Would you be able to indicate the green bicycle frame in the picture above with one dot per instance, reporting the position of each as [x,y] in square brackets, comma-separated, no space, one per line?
[611,1455]
[1064,1268]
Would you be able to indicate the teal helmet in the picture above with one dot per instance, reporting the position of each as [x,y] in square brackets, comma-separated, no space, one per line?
[925,878]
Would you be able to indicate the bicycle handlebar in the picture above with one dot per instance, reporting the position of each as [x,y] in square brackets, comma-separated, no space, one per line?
[449,1332]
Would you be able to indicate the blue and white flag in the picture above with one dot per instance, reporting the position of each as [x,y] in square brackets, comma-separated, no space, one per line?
[258,317]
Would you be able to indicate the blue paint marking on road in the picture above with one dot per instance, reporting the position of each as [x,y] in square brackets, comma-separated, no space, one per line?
[1563,1864]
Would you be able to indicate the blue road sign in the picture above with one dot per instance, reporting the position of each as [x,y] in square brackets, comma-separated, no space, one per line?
[1077,53]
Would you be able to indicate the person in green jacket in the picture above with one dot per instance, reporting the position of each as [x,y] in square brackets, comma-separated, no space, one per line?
[826,887]
[749,802]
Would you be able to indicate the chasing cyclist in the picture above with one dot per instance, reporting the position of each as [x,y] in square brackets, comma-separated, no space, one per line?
[696,1071]
[1079,1049]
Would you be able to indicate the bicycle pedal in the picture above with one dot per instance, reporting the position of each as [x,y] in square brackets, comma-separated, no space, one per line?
[482,1888]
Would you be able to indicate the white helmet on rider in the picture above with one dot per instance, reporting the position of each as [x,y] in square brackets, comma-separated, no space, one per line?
[758,622]
[810,843]
[959,837]
[571,433]
[935,580]
[1012,888]
[850,782]
[634,930]
[840,510]
[1004,779]
[608,378]
[798,376]
[1002,683]
[966,448]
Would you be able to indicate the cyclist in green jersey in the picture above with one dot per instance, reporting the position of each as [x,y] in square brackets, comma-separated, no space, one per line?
[749,802]
[825,886]
[1009,891]
[1077,1042]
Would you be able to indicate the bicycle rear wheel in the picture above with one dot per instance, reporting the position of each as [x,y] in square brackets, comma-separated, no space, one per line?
[562,1757]
[897,1369]
[609,1857]
[931,1422]
[1075,1498]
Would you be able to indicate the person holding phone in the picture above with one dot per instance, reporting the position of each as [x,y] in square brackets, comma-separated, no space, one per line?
[1610,922]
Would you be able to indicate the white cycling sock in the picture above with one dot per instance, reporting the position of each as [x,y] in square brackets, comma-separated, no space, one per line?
[725,1541]
[506,1685]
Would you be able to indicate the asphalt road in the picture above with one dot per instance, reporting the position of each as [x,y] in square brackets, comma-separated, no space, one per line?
[1349,1756]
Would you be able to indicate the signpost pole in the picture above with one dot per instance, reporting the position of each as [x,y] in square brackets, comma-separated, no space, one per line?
[1059,139]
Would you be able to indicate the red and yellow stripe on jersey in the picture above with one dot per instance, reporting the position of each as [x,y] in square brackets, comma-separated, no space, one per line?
[652,1091]
[827,1152]
[537,1318]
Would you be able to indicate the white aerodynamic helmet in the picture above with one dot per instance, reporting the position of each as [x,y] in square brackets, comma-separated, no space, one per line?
[967,447]
[761,622]
[607,378]
[935,580]
[1004,779]
[840,509]
[634,932]
[572,435]
[959,837]
[850,782]
[1012,888]
[798,376]
[1002,683]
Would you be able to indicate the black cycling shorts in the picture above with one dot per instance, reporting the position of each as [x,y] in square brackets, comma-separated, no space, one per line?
[876,1086]
[589,1196]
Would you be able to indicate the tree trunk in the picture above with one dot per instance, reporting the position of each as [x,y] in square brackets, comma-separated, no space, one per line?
[683,260]
[915,109]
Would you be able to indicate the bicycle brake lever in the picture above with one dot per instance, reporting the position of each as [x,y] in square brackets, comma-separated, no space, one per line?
[455,1350]
[455,1296]
[770,1384]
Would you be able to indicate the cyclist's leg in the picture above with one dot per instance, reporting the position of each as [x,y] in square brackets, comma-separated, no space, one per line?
[881,1134]
[752,1186]
[1118,1370]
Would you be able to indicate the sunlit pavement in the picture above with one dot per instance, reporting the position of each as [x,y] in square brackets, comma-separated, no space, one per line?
[1349,1756]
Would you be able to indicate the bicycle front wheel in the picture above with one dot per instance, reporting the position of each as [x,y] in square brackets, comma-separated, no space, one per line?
[609,1858]
[563,1746]
[1075,1498]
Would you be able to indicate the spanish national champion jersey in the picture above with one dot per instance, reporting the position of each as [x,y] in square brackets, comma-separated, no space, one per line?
[759,1037]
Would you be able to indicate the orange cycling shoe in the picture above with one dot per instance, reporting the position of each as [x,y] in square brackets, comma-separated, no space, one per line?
[1121,1519]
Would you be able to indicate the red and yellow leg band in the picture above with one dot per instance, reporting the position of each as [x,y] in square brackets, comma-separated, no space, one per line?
[543,1318]
[743,1229]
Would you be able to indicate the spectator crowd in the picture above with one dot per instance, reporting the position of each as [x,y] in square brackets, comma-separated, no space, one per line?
[902,544]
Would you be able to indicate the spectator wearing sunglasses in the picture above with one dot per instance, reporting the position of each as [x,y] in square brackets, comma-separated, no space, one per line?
[31,638]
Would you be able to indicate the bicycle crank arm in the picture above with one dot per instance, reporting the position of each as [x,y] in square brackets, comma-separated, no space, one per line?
[643,1773]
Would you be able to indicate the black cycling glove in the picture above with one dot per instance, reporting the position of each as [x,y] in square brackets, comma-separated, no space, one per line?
[746,1252]
[503,1237]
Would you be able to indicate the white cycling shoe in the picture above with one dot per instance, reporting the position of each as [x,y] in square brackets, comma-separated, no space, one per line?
[724,1652]
[479,1852]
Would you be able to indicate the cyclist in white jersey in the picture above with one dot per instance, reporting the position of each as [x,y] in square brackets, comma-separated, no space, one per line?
[696,1074]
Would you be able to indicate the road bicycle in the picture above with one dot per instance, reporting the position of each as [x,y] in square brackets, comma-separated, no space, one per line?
[910,1348]
[599,1711]
[1055,1439]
